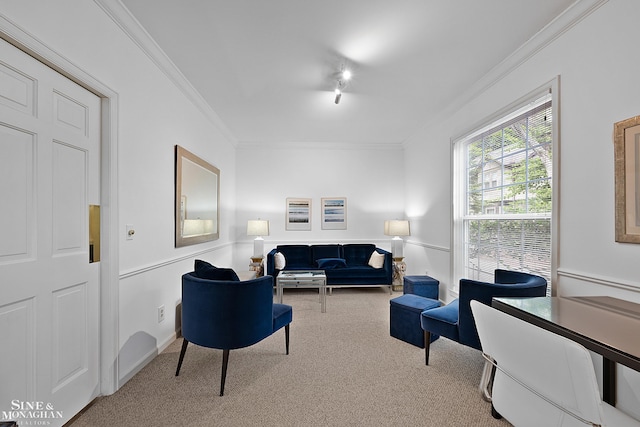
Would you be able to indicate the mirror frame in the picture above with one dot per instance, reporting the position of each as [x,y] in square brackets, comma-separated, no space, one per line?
[180,240]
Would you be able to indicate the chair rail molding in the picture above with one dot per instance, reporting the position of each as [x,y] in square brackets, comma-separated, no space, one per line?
[191,255]
[608,282]
[428,246]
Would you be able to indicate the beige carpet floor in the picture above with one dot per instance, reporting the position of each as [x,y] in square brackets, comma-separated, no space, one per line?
[344,369]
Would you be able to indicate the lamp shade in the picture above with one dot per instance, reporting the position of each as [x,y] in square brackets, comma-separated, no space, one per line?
[257,227]
[396,227]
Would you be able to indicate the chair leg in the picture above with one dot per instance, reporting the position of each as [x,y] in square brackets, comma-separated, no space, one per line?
[486,381]
[495,414]
[182,352]
[427,343]
[286,336]
[225,362]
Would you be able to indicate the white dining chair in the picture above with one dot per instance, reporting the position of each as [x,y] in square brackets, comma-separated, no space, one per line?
[541,378]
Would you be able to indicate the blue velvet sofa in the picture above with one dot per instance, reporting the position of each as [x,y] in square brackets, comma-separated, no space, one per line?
[344,265]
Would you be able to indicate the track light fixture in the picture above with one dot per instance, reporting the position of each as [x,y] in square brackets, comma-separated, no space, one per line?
[338,95]
[343,78]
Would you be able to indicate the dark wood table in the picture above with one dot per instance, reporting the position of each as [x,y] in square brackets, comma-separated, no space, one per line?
[605,325]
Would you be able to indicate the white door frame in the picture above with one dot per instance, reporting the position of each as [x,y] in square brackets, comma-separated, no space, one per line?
[109,268]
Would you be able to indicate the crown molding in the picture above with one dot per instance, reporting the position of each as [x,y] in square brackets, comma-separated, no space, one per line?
[552,31]
[573,15]
[136,32]
[342,146]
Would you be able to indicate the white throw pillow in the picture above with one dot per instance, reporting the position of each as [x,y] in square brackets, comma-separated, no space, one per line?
[279,261]
[376,260]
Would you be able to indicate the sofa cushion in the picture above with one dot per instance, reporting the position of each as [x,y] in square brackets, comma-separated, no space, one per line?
[358,253]
[325,251]
[297,256]
[376,260]
[330,263]
[205,270]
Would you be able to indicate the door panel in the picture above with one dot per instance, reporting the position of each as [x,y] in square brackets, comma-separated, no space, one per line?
[16,186]
[69,199]
[49,293]
[69,334]
[17,90]
[18,365]
[69,113]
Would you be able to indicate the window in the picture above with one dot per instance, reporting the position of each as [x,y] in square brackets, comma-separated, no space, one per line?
[503,203]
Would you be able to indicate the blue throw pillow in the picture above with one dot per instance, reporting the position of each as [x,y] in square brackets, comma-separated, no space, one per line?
[204,270]
[331,263]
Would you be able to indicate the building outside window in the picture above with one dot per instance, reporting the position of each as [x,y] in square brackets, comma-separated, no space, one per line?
[503,203]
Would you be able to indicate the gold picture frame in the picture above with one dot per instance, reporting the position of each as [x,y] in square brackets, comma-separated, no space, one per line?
[626,141]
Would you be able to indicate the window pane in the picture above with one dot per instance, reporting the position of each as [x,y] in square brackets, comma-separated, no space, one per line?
[522,245]
[509,171]
[474,151]
[515,137]
[493,145]
[540,133]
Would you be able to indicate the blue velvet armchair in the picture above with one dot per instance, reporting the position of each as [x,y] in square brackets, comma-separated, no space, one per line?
[455,320]
[230,314]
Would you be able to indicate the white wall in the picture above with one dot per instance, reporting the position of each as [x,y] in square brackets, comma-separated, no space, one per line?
[153,116]
[597,66]
[370,178]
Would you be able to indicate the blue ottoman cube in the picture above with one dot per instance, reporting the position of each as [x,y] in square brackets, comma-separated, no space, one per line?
[404,318]
[424,286]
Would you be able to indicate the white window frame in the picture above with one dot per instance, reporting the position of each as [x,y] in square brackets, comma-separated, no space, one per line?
[458,168]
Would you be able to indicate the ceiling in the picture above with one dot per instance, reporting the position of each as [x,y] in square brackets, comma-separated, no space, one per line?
[268,68]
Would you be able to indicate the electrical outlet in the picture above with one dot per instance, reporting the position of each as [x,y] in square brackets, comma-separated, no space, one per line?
[160,313]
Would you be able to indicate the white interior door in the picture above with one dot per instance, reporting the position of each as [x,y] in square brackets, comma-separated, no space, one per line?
[49,292]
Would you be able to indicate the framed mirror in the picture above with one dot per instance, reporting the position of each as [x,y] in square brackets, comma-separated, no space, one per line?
[197,213]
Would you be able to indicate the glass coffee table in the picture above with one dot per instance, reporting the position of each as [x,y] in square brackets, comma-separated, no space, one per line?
[303,279]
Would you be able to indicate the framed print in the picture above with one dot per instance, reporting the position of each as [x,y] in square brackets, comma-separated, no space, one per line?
[334,213]
[626,141]
[197,198]
[298,214]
